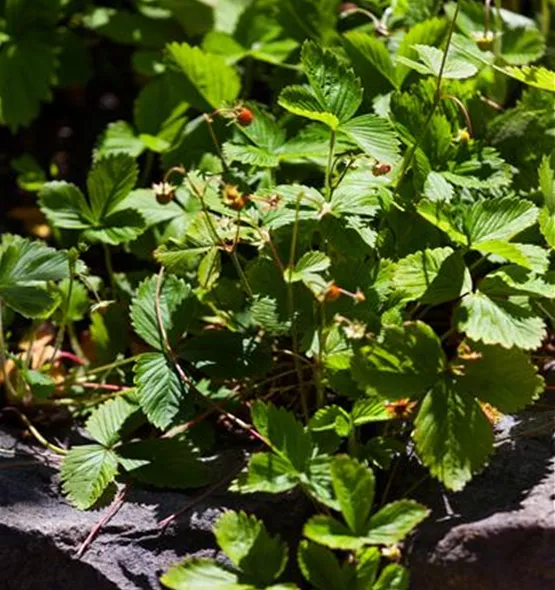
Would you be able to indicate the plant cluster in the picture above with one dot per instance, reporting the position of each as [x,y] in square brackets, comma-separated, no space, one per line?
[327,234]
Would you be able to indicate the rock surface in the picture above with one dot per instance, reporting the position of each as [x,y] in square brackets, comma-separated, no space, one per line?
[40,533]
[499,533]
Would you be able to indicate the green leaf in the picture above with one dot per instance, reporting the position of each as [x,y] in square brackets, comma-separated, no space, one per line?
[456,65]
[335,93]
[371,61]
[309,264]
[245,540]
[208,81]
[86,472]
[118,138]
[110,180]
[354,485]
[432,276]
[285,434]
[164,463]
[41,385]
[404,363]
[331,418]
[515,280]
[65,206]
[321,568]
[393,577]
[499,219]
[527,255]
[200,574]
[452,435]
[27,65]
[546,178]
[536,76]
[520,46]
[437,189]
[25,269]
[160,390]
[547,226]
[301,100]
[500,321]
[369,409]
[429,31]
[505,378]
[328,531]
[375,136]
[395,521]
[266,472]
[105,423]
[176,305]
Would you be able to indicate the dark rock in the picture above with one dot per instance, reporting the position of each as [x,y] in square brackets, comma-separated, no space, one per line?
[499,533]
[40,533]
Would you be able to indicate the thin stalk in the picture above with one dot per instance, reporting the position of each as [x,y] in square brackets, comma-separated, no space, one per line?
[215,141]
[76,347]
[545,18]
[292,315]
[109,268]
[62,330]
[38,436]
[320,358]
[5,375]
[437,97]
[329,188]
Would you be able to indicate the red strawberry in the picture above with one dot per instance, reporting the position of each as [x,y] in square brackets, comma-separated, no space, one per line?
[244,116]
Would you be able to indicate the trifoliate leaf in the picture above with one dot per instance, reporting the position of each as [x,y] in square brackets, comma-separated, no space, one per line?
[164,463]
[354,485]
[208,81]
[375,136]
[394,522]
[335,93]
[159,388]
[500,321]
[176,304]
[25,269]
[245,540]
[86,472]
[103,218]
[452,435]
[502,377]
[105,423]
[432,276]
[405,362]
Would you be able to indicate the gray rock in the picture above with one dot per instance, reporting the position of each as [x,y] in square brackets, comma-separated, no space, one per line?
[40,533]
[499,533]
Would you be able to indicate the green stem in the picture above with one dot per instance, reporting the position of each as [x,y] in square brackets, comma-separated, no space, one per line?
[545,18]
[7,380]
[37,434]
[109,268]
[407,161]
[61,331]
[329,189]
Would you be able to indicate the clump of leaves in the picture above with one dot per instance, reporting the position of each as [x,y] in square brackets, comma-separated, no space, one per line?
[361,266]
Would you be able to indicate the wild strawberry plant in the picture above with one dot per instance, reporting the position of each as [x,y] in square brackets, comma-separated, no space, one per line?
[328,230]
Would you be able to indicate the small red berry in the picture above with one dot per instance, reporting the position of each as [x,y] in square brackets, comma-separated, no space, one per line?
[381,169]
[244,116]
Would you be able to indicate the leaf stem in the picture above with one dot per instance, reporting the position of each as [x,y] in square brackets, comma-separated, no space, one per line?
[38,436]
[329,188]
[407,161]
[7,380]
[109,268]
[63,324]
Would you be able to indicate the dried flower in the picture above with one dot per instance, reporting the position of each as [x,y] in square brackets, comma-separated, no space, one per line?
[164,192]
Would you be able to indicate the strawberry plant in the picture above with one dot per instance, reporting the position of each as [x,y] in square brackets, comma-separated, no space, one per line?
[325,233]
